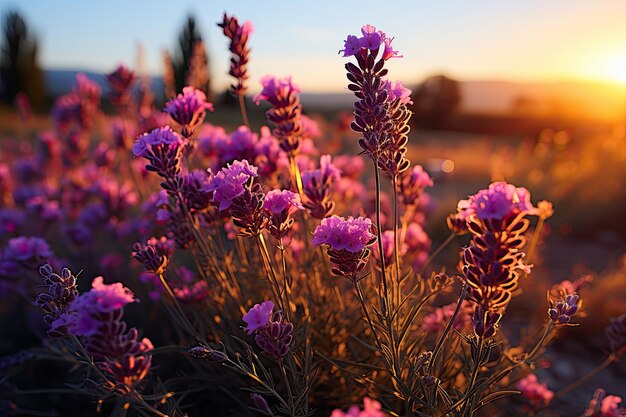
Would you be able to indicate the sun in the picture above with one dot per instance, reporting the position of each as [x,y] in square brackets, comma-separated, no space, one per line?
[616,68]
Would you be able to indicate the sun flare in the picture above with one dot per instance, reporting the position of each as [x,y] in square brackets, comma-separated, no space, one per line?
[616,69]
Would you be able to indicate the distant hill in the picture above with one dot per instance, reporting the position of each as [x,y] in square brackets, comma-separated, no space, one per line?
[61,81]
[602,100]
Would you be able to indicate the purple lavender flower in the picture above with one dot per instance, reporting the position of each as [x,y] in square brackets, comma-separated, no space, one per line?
[55,302]
[275,338]
[28,249]
[229,182]
[280,205]
[616,333]
[317,185]
[412,185]
[485,322]
[272,336]
[277,201]
[285,113]
[238,35]
[500,200]
[347,243]
[602,405]
[258,316]
[494,259]
[162,148]
[155,254]
[196,197]
[397,91]
[563,311]
[120,82]
[352,234]
[373,113]
[261,404]
[188,110]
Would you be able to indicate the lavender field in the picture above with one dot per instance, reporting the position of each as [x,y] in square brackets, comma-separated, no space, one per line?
[167,249]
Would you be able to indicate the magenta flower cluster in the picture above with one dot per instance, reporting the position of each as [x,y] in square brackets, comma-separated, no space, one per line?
[87,311]
[500,200]
[188,109]
[397,91]
[277,201]
[602,405]
[352,234]
[258,316]
[371,40]
[161,147]
[272,334]
[536,393]
[279,92]
[371,408]
[229,182]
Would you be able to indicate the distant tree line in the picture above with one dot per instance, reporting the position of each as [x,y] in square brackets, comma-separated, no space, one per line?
[435,102]
[19,66]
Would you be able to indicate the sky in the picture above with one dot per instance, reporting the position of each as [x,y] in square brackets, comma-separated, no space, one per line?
[528,41]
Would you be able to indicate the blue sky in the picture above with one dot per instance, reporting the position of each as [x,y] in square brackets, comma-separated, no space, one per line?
[528,40]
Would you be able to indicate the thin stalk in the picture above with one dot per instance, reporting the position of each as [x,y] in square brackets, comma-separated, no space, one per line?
[179,309]
[380,240]
[437,251]
[295,172]
[444,335]
[286,280]
[539,344]
[359,294]
[271,275]
[475,369]
[609,360]
[396,236]
[288,387]
[242,108]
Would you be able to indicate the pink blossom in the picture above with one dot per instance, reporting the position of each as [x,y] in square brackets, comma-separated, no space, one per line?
[258,316]
[397,91]
[229,182]
[188,107]
[371,408]
[352,234]
[496,202]
[536,393]
[352,45]
[163,136]
[389,52]
[278,200]
[276,90]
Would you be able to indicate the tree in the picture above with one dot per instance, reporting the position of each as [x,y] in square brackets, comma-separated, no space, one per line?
[19,66]
[191,63]
[435,101]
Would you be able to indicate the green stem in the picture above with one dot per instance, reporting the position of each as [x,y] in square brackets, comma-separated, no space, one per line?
[396,237]
[179,309]
[444,335]
[288,387]
[242,107]
[359,294]
[472,381]
[539,344]
[269,269]
[381,251]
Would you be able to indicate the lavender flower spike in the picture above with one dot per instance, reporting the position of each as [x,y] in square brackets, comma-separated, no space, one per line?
[188,110]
